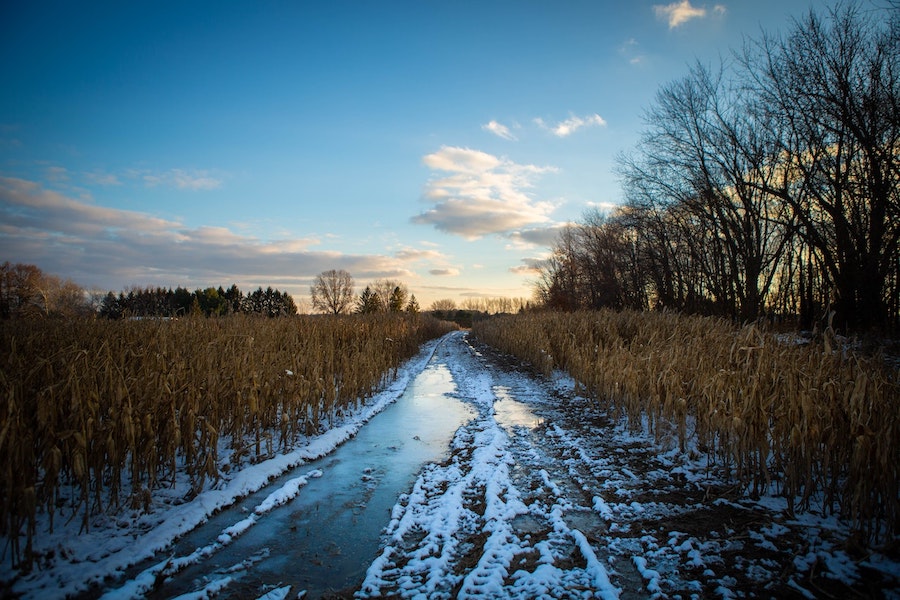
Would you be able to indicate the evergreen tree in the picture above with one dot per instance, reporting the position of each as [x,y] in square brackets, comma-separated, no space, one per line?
[413,305]
[369,302]
[397,299]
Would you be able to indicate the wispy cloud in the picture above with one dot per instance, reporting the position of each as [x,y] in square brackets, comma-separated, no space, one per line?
[57,174]
[630,50]
[571,125]
[499,130]
[444,272]
[183,179]
[102,178]
[113,248]
[481,194]
[678,13]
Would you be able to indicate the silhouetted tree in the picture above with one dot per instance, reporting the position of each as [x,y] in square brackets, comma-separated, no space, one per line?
[332,292]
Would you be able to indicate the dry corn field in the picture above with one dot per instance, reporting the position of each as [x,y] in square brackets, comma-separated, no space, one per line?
[817,424]
[99,414]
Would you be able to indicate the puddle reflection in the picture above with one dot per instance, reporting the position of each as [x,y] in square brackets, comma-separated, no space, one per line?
[510,413]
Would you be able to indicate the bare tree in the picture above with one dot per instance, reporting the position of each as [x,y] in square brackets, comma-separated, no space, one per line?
[833,88]
[332,292]
[444,304]
[703,154]
[392,293]
[26,291]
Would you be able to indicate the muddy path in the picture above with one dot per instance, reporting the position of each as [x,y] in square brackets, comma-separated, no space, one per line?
[545,495]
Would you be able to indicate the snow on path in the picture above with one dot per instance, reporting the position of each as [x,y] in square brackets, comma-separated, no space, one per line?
[459,532]
[546,496]
[145,581]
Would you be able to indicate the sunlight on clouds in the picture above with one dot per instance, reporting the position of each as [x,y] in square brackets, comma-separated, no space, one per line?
[461,160]
[571,125]
[413,254]
[482,195]
[499,130]
[679,13]
[529,266]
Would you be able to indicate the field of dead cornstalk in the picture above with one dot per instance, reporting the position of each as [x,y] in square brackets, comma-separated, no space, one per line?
[815,423]
[99,414]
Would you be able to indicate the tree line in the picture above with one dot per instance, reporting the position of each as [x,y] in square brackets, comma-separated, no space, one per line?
[166,302]
[765,186]
[28,292]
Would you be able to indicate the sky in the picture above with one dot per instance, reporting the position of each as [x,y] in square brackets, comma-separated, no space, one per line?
[439,144]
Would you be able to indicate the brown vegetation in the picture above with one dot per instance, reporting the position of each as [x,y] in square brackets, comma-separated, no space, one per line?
[815,423]
[100,413]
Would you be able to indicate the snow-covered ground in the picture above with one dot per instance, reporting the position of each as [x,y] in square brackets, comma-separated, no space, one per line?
[542,495]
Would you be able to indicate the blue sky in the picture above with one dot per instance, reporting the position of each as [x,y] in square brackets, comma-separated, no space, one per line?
[259,143]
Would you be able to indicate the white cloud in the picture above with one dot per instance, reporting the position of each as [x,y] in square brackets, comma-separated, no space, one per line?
[499,130]
[416,254]
[482,194]
[571,125]
[444,271]
[678,13]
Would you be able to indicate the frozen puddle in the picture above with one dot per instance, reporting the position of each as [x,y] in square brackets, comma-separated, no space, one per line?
[316,528]
[510,413]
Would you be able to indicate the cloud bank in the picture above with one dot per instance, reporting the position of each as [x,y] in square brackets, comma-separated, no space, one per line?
[481,194]
[113,248]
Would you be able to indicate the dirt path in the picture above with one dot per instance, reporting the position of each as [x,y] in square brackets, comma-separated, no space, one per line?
[545,496]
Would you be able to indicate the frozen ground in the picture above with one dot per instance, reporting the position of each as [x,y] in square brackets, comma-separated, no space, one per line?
[540,495]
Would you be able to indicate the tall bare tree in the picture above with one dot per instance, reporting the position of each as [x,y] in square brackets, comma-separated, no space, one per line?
[832,86]
[332,292]
[703,152]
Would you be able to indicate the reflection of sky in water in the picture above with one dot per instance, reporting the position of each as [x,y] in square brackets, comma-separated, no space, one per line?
[327,536]
[510,413]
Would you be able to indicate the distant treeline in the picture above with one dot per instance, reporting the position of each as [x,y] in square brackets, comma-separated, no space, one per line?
[166,302]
